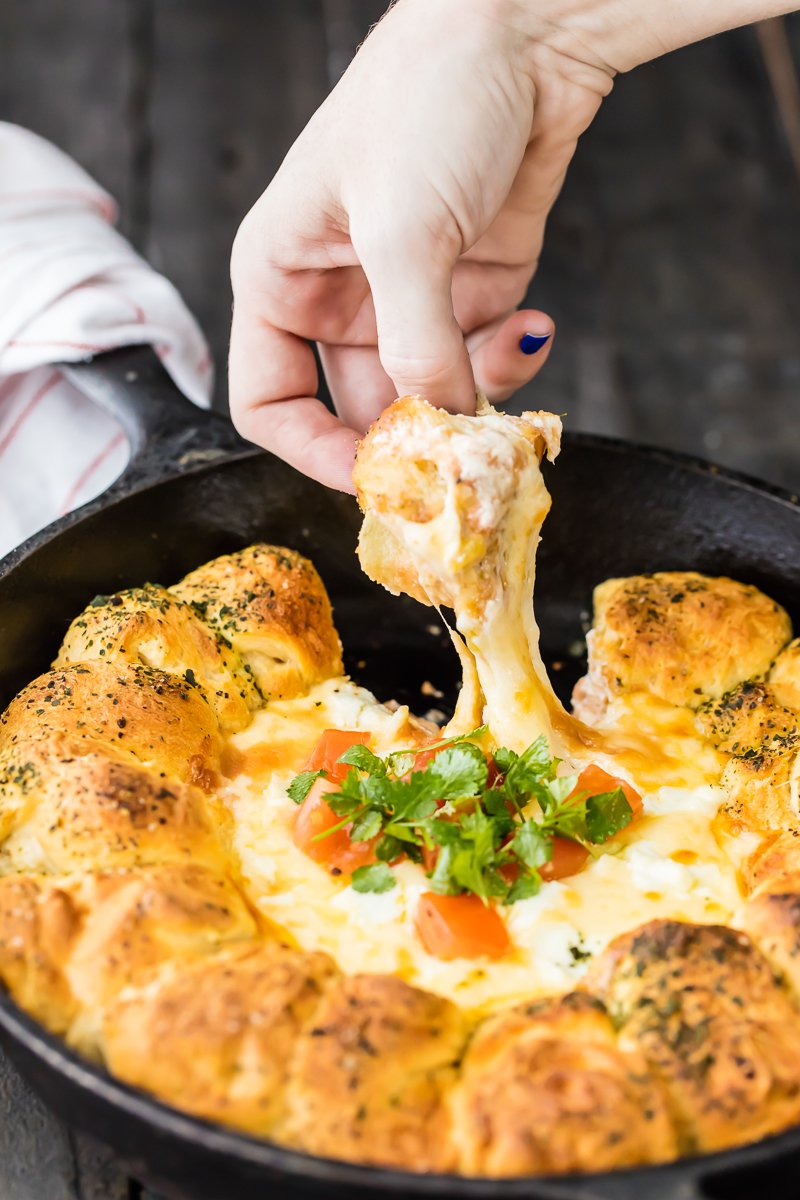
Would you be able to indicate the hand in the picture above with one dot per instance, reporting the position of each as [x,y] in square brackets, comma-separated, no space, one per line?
[404,225]
[408,214]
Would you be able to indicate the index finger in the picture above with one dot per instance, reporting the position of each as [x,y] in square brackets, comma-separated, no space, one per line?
[273,384]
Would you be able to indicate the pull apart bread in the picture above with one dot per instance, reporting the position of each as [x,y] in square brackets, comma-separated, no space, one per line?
[165,909]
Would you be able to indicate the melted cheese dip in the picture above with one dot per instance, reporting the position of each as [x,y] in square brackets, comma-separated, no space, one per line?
[668,865]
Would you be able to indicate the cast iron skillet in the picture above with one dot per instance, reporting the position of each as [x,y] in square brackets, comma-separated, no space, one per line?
[192,491]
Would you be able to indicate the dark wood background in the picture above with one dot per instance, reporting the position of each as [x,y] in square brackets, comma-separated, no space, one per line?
[672,262]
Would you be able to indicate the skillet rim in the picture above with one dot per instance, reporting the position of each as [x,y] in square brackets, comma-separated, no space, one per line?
[141,1106]
[121,489]
[688,1173]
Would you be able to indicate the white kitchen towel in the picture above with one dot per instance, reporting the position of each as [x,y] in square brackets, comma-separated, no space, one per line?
[70,287]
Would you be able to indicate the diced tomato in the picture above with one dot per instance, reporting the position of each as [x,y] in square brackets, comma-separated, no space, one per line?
[460,927]
[425,756]
[568,858]
[509,870]
[593,781]
[330,747]
[430,857]
[336,851]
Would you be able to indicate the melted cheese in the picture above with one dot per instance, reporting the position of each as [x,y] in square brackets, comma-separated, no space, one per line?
[453,512]
[667,865]
[656,743]
[462,531]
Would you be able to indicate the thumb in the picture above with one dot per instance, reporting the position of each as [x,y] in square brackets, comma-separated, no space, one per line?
[420,344]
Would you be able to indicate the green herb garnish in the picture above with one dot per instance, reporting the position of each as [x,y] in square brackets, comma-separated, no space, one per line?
[490,820]
[377,878]
[301,785]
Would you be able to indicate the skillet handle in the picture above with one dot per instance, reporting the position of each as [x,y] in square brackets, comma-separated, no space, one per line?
[167,434]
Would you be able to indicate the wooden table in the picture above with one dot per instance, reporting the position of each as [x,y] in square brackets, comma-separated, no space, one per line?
[672,262]
[672,259]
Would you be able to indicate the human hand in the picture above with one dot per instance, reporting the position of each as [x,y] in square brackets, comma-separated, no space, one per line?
[404,225]
[408,215]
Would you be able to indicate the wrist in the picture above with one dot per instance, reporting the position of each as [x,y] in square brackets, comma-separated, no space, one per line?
[617,35]
[589,36]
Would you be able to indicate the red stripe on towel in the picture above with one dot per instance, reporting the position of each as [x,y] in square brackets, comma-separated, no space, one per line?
[26,411]
[89,471]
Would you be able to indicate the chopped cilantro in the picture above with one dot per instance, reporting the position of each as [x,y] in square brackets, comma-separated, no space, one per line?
[363,758]
[606,814]
[377,878]
[456,771]
[366,827]
[532,845]
[301,785]
[523,887]
[486,821]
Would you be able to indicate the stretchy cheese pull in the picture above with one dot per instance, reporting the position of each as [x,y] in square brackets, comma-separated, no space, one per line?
[453,509]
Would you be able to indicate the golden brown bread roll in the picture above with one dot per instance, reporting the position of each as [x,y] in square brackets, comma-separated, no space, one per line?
[760,797]
[369,1074]
[748,722]
[135,920]
[153,628]
[217,1037]
[37,928]
[271,606]
[774,864]
[421,466]
[453,507]
[545,1088]
[757,725]
[94,813]
[784,678]
[681,636]
[772,920]
[85,937]
[760,783]
[131,713]
[758,793]
[715,1025]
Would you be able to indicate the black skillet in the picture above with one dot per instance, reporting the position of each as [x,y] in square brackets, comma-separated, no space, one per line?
[194,490]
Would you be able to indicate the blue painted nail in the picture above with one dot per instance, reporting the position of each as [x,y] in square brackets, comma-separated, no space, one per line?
[531,343]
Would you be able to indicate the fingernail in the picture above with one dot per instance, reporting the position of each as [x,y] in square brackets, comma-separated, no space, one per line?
[531,343]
